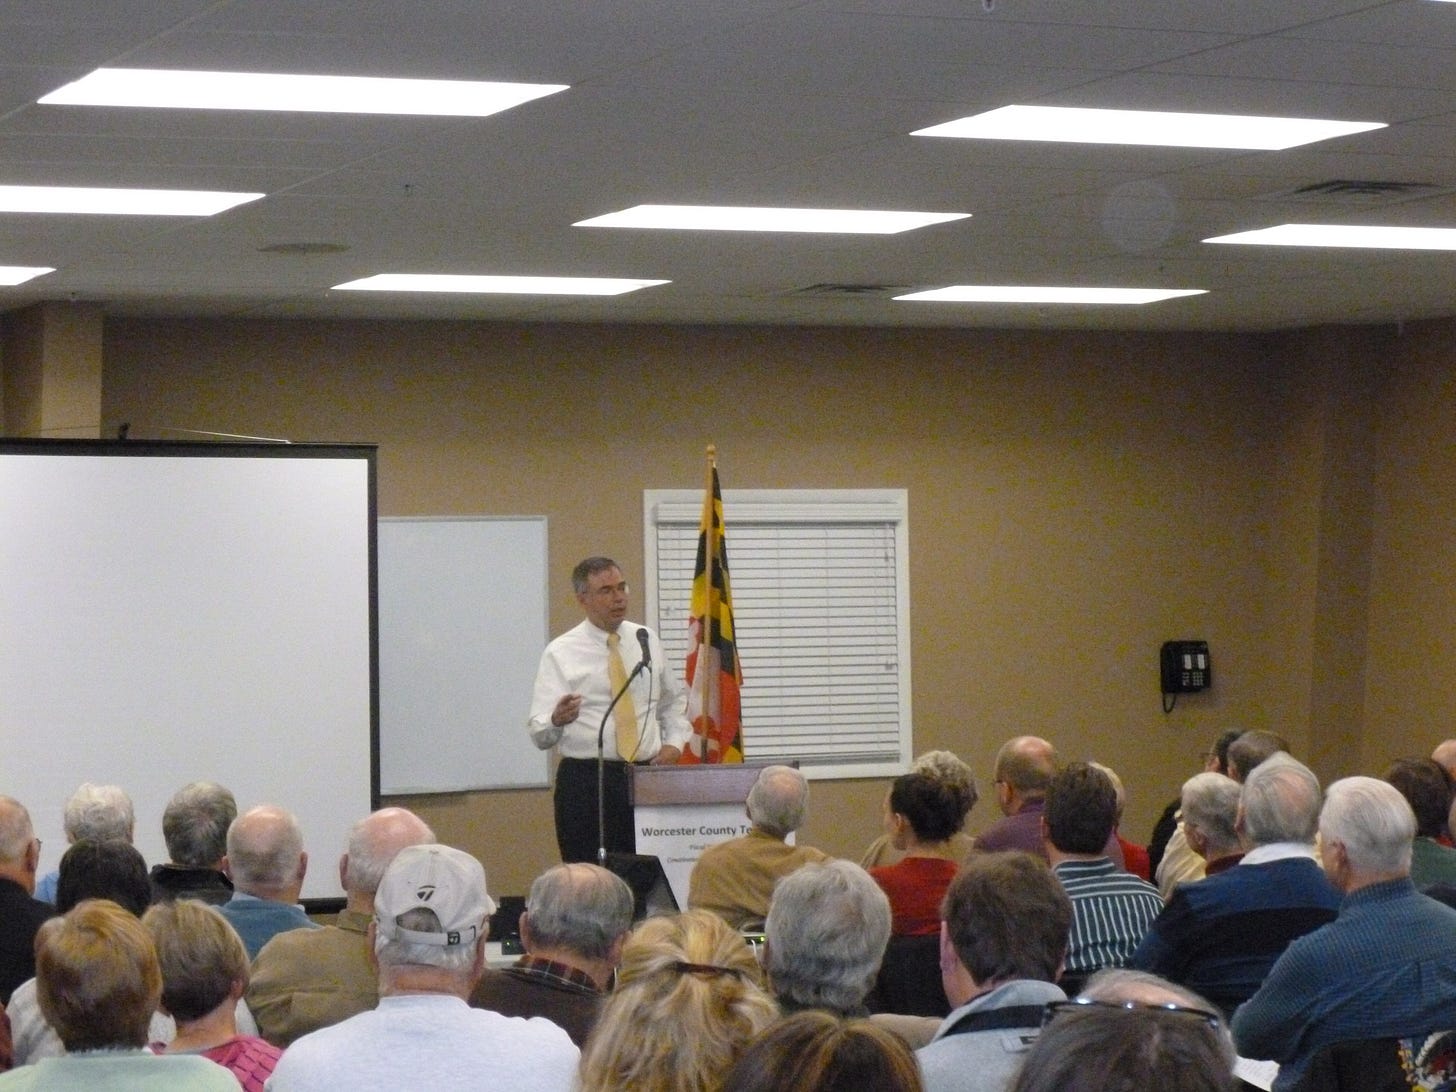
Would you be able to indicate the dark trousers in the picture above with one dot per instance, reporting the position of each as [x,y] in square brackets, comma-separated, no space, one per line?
[576,810]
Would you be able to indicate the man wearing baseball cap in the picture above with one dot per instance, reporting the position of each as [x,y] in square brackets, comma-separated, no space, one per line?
[431,913]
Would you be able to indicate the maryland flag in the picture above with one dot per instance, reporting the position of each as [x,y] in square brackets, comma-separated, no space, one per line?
[713,675]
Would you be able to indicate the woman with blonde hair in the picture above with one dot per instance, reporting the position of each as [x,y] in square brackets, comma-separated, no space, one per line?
[689,999]
[204,973]
[97,984]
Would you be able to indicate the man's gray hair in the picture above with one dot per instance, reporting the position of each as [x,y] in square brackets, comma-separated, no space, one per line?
[1373,821]
[581,908]
[99,813]
[827,928]
[264,846]
[196,822]
[457,959]
[587,568]
[1210,802]
[16,831]
[1281,801]
[779,800]
[375,840]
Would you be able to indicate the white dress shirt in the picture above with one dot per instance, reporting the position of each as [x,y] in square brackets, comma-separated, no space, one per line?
[576,663]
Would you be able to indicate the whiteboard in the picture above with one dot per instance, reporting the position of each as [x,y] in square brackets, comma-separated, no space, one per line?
[180,612]
[462,622]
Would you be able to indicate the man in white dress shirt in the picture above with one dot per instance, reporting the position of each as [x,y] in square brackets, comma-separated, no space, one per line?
[575,687]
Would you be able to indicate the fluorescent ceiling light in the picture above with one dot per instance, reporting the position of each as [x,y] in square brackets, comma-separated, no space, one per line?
[742,218]
[93,200]
[532,286]
[1173,130]
[1013,293]
[19,274]
[1345,235]
[183,90]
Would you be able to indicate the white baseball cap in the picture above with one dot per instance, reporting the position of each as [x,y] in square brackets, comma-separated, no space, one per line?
[447,881]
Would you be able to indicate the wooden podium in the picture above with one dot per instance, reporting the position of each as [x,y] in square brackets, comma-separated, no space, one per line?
[679,811]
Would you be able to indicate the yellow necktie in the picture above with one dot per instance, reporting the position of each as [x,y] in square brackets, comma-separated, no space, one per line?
[625,712]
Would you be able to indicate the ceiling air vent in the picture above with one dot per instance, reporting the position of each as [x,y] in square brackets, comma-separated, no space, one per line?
[1359,191]
[845,290]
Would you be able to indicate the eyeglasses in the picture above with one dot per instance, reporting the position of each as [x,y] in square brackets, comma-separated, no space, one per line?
[1055,1008]
[610,589]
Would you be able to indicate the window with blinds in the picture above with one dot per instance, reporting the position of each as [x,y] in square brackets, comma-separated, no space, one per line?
[821,610]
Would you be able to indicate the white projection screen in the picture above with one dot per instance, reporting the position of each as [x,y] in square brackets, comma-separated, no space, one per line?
[181,612]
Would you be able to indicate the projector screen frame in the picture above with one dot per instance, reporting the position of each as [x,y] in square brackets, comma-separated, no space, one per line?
[321,882]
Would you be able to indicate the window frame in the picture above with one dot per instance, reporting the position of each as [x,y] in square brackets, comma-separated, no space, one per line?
[887,508]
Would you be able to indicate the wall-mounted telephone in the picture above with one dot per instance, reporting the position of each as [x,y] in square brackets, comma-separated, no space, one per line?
[1185,669]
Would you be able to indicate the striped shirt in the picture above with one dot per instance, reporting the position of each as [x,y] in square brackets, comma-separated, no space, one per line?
[1111,911]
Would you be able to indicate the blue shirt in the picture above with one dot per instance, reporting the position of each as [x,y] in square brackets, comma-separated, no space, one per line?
[1220,936]
[1386,967]
[259,920]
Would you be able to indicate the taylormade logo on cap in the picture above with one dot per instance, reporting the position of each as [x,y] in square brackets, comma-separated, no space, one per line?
[448,882]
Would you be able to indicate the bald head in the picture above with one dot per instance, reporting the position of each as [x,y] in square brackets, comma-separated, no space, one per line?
[1025,767]
[265,855]
[373,843]
[19,851]
[778,800]
[1445,755]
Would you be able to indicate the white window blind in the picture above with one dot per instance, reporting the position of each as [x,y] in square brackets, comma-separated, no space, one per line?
[821,610]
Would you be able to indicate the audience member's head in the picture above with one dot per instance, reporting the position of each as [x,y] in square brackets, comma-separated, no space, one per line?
[947,768]
[195,824]
[826,932]
[1210,803]
[431,915]
[19,847]
[1427,789]
[1118,791]
[1445,756]
[1005,917]
[1127,1031]
[373,843]
[778,801]
[97,980]
[1366,832]
[1215,759]
[1252,748]
[99,813]
[930,807]
[202,958]
[103,870]
[265,854]
[1024,768]
[1124,985]
[1280,803]
[816,1052]
[688,1001]
[578,912]
[1081,807]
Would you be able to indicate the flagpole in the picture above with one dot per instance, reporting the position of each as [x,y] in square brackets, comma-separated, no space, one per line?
[705,677]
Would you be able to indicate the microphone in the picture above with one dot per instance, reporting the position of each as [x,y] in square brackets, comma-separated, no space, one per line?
[646,649]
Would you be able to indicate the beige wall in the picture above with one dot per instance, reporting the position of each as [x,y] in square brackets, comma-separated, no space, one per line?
[1075,499]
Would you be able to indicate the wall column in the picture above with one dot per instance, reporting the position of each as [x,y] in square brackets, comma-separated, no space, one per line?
[50,364]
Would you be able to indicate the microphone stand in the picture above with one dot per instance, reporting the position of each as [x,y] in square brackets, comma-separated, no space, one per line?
[602,766]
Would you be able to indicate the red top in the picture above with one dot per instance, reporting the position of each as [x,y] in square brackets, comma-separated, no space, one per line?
[1135,858]
[915,888]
